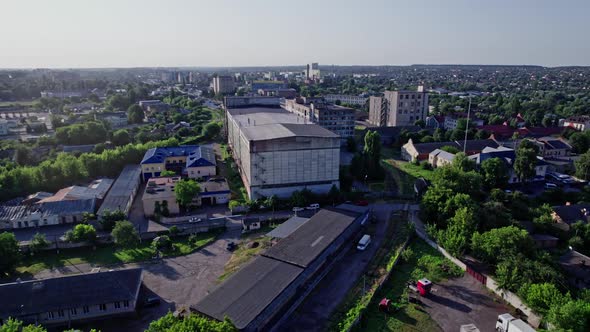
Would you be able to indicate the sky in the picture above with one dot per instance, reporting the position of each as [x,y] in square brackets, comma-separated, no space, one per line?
[203,33]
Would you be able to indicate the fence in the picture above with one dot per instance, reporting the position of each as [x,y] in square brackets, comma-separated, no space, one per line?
[491,284]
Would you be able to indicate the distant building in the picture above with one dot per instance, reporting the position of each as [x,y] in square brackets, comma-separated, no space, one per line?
[73,298]
[3,127]
[283,93]
[440,158]
[577,267]
[60,94]
[223,84]
[337,119]
[312,71]
[278,152]
[508,156]
[398,108]
[347,99]
[97,189]
[435,121]
[579,122]
[452,120]
[269,85]
[552,147]
[190,160]
[115,119]
[566,215]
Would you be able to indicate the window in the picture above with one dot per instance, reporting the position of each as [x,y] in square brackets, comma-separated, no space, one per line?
[60,313]
[86,309]
[50,315]
[73,311]
[117,305]
[126,303]
[103,307]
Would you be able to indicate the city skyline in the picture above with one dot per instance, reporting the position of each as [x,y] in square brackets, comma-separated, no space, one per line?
[179,33]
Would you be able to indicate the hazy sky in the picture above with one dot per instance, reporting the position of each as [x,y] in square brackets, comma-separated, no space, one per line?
[135,33]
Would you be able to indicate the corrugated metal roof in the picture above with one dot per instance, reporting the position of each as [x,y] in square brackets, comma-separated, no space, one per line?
[120,193]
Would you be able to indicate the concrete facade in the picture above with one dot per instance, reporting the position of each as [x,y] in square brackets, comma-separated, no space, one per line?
[223,84]
[278,154]
[347,99]
[398,108]
[337,119]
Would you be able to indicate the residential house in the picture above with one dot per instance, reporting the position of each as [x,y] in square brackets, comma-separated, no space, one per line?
[577,267]
[552,147]
[545,241]
[440,158]
[579,122]
[190,160]
[568,214]
[114,119]
[435,121]
[73,298]
[411,151]
[508,156]
[452,120]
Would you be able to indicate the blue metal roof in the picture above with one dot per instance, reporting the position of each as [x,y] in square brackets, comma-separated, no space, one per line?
[196,155]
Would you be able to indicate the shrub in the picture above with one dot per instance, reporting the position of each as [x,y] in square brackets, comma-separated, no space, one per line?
[407,254]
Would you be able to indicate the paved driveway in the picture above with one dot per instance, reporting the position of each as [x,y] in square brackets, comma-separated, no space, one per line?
[314,312]
[462,301]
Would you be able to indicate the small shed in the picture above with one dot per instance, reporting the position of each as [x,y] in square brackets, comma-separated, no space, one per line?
[250,224]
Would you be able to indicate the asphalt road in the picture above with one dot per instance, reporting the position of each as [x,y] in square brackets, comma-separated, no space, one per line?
[315,311]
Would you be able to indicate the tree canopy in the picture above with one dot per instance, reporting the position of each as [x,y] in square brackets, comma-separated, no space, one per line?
[185,191]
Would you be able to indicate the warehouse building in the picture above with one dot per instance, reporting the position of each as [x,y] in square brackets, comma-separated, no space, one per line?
[123,191]
[72,299]
[278,152]
[274,284]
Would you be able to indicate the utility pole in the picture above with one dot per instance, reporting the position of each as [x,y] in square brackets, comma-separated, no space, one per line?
[467,126]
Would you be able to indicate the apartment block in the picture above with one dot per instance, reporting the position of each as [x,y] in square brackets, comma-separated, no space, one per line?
[337,119]
[398,108]
[223,84]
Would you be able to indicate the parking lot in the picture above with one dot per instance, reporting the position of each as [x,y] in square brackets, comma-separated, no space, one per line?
[464,300]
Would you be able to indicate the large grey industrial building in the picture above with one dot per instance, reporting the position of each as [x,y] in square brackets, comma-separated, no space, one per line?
[278,152]
[273,285]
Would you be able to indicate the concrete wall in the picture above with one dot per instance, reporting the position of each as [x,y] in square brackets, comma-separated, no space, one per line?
[199,172]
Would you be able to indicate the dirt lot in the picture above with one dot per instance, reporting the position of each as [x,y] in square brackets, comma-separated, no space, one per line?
[462,301]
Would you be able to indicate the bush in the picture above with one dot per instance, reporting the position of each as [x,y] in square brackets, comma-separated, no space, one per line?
[81,233]
[174,231]
[407,254]
[38,243]
[162,243]
[125,235]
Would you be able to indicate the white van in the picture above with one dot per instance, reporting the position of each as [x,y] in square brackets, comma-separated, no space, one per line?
[364,242]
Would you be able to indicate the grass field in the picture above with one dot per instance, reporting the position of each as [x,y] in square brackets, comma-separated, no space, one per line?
[243,254]
[109,255]
[424,263]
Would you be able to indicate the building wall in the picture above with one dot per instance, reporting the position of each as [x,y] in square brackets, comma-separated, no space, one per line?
[199,172]
[152,170]
[223,84]
[408,152]
[375,111]
[149,204]
[3,127]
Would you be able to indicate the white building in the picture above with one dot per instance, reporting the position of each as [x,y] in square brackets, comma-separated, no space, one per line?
[398,108]
[581,122]
[277,153]
[223,84]
[347,99]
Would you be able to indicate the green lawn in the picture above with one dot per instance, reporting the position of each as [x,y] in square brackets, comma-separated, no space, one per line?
[18,103]
[109,255]
[244,253]
[425,263]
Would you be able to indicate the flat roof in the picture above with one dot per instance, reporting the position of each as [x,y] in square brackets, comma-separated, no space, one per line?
[284,130]
[312,238]
[257,116]
[122,189]
[249,291]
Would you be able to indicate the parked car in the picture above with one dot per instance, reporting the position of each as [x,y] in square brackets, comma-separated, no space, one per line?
[297,209]
[151,302]
[550,185]
[364,242]
[195,219]
[313,206]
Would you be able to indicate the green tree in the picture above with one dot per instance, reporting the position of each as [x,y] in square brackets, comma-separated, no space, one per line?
[121,137]
[573,315]
[9,252]
[135,114]
[500,242]
[15,325]
[299,199]
[185,191]
[109,218]
[525,162]
[167,173]
[125,235]
[583,166]
[162,243]
[211,130]
[81,233]
[38,243]
[463,163]
[194,323]
[495,173]
[541,297]
[454,237]
[450,149]
[580,142]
